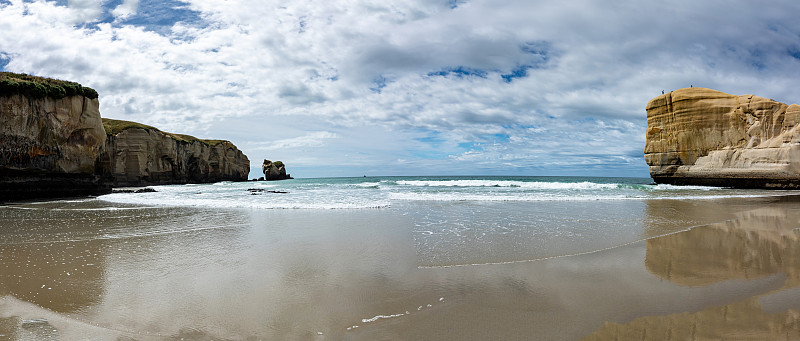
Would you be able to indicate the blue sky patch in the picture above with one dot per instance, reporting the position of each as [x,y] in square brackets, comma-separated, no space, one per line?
[4,60]
[156,14]
[378,84]
[470,145]
[434,138]
[459,71]
[536,56]
[518,72]
[455,3]
[795,53]
[428,154]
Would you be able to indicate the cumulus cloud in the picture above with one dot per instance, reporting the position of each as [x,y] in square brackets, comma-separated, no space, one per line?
[126,9]
[526,87]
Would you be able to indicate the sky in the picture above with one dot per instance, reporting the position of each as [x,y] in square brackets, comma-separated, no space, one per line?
[408,87]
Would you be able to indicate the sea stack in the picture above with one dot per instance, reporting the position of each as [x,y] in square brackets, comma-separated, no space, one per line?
[274,170]
[698,136]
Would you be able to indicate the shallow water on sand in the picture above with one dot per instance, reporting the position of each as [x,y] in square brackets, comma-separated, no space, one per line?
[92,269]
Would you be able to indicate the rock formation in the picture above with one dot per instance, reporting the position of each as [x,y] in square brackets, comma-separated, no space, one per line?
[274,170]
[48,144]
[706,137]
[53,143]
[137,155]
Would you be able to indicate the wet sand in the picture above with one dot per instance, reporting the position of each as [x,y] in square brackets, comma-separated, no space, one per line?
[703,269]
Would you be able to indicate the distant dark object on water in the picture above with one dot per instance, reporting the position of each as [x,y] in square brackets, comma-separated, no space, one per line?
[255,191]
[141,190]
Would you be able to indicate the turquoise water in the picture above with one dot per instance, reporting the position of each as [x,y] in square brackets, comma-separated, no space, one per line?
[475,220]
[385,192]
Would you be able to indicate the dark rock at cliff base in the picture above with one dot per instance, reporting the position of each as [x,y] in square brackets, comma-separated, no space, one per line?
[274,170]
[698,136]
[23,185]
[140,190]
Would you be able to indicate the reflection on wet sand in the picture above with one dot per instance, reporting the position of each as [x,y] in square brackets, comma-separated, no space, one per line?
[756,243]
[191,273]
[744,320]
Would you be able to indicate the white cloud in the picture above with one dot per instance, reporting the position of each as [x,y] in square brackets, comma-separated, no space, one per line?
[85,10]
[126,9]
[315,139]
[566,84]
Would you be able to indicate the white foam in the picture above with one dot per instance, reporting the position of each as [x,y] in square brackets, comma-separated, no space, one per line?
[368,184]
[665,187]
[508,183]
[382,317]
[408,196]
[211,200]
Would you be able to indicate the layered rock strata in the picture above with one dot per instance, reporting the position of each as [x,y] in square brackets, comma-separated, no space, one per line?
[48,146]
[140,155]
[53,143]
[698,136]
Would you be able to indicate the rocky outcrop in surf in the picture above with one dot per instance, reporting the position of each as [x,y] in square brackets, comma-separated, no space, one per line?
[138,155]
[698,136]
[49,138]
[274,170]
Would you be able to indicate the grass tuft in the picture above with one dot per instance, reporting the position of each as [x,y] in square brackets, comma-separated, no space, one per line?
[114,127]
[41,87]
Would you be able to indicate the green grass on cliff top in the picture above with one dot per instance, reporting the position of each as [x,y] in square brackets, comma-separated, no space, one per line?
[114,127]
[41,87]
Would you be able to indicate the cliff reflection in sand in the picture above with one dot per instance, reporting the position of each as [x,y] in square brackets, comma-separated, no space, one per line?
[755,244]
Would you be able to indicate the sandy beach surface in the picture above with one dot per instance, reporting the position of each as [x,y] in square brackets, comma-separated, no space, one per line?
[682,269]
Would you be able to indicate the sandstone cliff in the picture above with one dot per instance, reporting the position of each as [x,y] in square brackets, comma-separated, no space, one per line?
[48,141]
[136,155]
[706,137]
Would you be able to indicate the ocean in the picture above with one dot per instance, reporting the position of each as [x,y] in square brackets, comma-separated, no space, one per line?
[461,220]
[404,258]
[387,192]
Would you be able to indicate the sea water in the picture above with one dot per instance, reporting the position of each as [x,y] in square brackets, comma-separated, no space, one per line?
[472,220]
[386,192]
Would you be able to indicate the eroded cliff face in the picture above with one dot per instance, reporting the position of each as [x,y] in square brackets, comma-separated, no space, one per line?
[706,137]
[48,146]
[139,156]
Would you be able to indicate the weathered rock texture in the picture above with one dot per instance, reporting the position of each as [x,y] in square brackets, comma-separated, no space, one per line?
[706,137]
[274,170]
[138,155]
[48,146]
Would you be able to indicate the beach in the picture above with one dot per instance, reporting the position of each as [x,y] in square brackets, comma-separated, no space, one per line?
[404,259]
